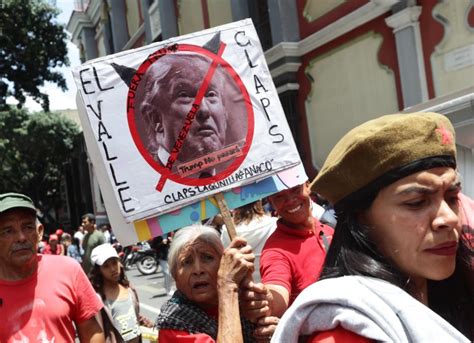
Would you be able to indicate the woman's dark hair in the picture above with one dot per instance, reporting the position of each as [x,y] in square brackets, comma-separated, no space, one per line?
[453,298]
[247,212]
[77,243]
[97,280]
[352,252]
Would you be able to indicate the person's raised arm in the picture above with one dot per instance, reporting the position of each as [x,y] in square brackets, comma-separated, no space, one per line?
[236,264]
[278,300]
[90,331]
[254,301]
[259,300]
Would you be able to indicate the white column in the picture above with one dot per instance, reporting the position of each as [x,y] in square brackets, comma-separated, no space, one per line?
[406,29]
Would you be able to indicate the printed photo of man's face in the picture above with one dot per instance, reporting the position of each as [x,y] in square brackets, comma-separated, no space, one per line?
[207,133]
[170,87]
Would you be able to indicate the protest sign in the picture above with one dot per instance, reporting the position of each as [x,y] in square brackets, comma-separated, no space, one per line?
[130,233]
[175,122]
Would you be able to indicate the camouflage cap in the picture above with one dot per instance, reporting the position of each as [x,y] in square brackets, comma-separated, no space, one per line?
[14,200]
[378,146]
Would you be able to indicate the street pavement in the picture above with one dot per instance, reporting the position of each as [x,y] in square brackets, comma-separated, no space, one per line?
[151,291]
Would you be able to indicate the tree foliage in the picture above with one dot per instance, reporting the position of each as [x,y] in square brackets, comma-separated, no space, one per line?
[32,45]
[33,148]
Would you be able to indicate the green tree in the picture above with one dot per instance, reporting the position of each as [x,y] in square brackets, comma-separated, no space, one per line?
[33,148]
[32,45]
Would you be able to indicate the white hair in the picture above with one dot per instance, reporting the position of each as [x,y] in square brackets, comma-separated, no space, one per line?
[188,235]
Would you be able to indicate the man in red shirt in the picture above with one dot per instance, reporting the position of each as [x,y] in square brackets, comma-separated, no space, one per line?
[42,297]
[292,257]
[53,247]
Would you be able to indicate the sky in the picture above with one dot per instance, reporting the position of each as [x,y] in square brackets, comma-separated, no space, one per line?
[58,99]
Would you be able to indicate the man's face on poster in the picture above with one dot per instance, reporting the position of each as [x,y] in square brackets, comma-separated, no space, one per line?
[174,101]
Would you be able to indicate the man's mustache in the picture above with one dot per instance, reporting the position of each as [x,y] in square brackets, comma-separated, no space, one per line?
[22,246]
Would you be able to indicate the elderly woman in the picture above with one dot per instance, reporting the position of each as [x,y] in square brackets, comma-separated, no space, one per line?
[397,249]
[205,306]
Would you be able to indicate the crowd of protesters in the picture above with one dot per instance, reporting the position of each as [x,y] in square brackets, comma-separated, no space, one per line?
[377,248]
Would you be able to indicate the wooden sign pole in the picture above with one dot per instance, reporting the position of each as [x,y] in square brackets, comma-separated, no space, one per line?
[228,220]
[226,215]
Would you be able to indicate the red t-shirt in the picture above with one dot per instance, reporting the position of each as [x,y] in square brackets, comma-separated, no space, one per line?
[44,306]
[338,335]
[48,250]
[178,336]
[293,258]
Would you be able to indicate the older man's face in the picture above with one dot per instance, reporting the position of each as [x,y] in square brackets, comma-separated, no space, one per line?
[207,132]
[19,237]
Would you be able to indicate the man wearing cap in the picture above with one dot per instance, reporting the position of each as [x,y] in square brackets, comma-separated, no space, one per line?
[42,297]
[293,255]
[59,234]
[53,247]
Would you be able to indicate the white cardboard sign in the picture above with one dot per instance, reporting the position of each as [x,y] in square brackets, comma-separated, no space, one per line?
[180,120]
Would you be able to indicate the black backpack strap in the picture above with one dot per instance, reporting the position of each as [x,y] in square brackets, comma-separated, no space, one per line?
[110,332]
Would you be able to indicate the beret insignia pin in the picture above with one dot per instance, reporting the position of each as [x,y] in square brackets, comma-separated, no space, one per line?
[446,136]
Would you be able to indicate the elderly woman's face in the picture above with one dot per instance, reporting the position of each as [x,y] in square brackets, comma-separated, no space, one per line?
[196,273]
[414,222]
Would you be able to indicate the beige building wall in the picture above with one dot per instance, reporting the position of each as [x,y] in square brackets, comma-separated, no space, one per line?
[220,12]
[133,16]
[190,16]
[314,9]
[453,59]
[349,87]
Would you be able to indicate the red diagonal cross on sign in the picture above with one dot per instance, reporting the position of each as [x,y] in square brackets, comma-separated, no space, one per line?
[446,136]
[190,118]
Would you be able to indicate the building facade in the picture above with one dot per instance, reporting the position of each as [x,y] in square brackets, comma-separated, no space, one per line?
[335,63]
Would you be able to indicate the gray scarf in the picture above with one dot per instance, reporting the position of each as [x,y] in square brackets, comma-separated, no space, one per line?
[367,306]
